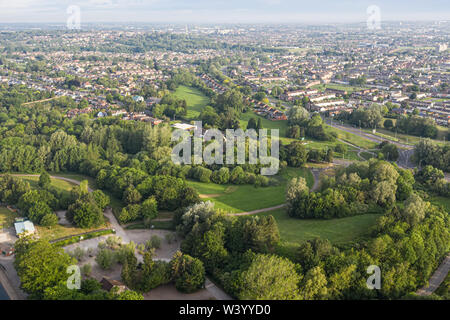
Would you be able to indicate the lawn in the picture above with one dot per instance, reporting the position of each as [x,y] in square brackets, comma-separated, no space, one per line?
[338,231]
[7,218]
[352,138]
[336,86]
[195,100]
[115,203]
[244,198]
[59,231]
[61,185]
[281,125]
[443,201]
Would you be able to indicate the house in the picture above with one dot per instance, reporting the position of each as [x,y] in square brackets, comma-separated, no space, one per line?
[24,227]
[108,284]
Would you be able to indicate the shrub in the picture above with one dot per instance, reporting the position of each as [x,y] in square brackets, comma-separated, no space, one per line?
[50,219]
[154,242]
[86,269]
[105,258]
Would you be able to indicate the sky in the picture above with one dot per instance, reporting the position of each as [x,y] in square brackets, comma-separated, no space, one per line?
[222,11]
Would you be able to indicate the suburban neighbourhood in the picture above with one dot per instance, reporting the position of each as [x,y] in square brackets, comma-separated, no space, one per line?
[355,119]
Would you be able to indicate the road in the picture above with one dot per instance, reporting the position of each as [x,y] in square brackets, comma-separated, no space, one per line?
[437,278]
[366,135]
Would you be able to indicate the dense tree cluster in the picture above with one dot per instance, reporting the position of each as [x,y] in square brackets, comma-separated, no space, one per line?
[302,125]
[429,153]
[416,126]
[244,254]
[367,117]
[354,190]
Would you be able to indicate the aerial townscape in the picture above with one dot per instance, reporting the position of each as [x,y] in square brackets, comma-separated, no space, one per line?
[93,206]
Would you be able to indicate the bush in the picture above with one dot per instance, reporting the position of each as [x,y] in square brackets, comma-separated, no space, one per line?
[105,258]
[50,219]
[86,269]
[221,176]
[131,212]
[170,237]
[154,242]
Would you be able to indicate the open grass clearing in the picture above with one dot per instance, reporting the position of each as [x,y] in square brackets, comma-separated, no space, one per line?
[338,231]
[195,100]
[244,198]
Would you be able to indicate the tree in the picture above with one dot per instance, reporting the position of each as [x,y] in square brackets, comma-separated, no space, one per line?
[295,187]
[149,209]
[187,272]
[105,258]
[212,248]
[85,213]
[269,277]
[101,199]
[297,115]
[44,180]
[390,152]
[384,193]
[48,220]
[414,209]
[252,124]
[314,285]
[39,210]
[388,124]
[221,176]
[237,175]
[297,154]
[131,196]
[40,265]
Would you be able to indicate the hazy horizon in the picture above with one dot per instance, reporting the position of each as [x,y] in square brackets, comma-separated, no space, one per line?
[221,12]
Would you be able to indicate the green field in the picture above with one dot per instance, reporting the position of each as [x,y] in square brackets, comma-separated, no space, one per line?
[61,185]
[244,198]
[336,86]
[409,139]
[281,125]
[338,231]
[195,100]
[352,138]
[7,218]
[443,201]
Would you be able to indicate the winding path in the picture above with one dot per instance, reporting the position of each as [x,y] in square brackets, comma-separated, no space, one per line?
[437,278]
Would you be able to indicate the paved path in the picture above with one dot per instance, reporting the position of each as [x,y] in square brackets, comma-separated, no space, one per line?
[10,280]
[257,211]
[120,232]
[53,177]
[38,101]
[437,278]
[217,292]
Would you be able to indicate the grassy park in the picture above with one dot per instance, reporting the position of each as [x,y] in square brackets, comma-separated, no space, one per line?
[338,231]
[267,124]
[7,217]
[61,185]
[195,100]
[244,198]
